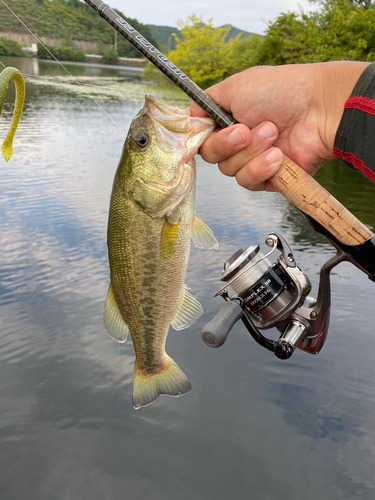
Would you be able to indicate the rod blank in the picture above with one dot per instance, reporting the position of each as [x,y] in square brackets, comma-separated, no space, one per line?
[162,63]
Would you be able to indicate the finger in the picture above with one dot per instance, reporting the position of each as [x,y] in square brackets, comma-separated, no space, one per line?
[221,94]
[196,110]
[224,143]
[256,172]
[263,136]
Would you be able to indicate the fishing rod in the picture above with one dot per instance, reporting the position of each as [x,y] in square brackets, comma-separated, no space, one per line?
[162,63]
[271,295]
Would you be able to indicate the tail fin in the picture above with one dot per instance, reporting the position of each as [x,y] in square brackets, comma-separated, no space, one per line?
[171,381]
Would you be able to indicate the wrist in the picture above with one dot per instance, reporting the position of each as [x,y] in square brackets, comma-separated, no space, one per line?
[337,81]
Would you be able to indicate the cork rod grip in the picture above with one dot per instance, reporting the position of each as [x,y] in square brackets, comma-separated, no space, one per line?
[306,194]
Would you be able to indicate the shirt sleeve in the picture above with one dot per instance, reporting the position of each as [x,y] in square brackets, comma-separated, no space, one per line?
[355,137]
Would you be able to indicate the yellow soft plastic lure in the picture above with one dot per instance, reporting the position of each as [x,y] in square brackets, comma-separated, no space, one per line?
[6,78]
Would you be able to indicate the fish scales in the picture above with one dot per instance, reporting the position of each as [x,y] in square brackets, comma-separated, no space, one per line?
[151,222]
[153,286]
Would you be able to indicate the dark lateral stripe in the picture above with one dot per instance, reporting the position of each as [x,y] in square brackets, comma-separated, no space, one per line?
[362,103]
[355,161]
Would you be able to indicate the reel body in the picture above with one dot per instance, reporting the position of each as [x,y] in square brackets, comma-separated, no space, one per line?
[271,295]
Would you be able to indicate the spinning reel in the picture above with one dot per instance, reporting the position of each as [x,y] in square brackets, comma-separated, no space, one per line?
[276,294]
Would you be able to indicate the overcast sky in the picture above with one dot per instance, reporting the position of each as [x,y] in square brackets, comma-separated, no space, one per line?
[249,15]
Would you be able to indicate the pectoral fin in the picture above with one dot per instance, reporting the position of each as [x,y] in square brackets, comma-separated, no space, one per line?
[113,321]
[202,235]
[169,237]
[188,312]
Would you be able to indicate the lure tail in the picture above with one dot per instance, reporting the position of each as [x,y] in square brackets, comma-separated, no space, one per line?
[170,380]
[6,78]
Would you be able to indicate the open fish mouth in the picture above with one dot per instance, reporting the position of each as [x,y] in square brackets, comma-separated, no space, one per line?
[172,118]
[176,129]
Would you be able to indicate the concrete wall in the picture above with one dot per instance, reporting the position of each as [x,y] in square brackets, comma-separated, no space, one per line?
[31,42]
[88,47]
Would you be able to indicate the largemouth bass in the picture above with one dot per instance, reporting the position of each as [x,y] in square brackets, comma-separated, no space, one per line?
[151,223]
[6,78]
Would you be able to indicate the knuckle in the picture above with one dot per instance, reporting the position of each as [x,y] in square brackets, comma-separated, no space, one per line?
[225,169]
[248,177]
[217,149]
[244,178]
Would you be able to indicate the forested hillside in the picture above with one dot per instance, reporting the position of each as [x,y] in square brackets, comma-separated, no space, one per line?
[164,34]
[68,20]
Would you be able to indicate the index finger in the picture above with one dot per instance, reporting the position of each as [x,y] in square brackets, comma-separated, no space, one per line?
[224,143]
[196,110]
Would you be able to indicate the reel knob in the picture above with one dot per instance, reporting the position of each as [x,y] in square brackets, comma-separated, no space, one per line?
[216,331]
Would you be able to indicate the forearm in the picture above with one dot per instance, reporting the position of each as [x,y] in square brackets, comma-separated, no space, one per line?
[355,138]
[337,80]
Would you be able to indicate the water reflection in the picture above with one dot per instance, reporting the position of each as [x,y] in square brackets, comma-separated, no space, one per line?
[38,67]
[252,426]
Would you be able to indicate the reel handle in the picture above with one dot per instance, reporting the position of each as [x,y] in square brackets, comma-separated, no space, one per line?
[216,331]
[310,197]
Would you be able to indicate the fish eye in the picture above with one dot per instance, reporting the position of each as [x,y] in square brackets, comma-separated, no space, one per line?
[142,140]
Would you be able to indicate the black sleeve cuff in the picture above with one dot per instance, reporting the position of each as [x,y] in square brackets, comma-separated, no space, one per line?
[355,137]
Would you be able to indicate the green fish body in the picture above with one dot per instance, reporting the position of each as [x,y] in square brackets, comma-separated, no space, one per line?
[6,78]
[151,223]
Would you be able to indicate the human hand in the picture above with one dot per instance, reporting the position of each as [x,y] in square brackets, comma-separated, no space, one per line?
[294,109]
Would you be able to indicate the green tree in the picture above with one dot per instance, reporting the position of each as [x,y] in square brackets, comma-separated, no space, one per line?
[340,29]
[361,3]
[10,47]
[109,56]
[203,52]
[62,53]
[246,52]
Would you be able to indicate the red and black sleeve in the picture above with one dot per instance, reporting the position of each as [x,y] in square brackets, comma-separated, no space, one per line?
[355,137]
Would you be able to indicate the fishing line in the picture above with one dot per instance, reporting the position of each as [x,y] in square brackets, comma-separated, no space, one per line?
[75,81]
[59,80]
[230,209]
[85,90]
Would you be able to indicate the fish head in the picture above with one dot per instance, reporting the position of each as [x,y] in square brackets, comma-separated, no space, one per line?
[158,156]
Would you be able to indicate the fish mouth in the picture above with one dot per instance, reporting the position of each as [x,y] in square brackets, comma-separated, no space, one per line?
[175,128]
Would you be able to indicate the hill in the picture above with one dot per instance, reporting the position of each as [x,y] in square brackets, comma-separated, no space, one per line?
[235,31]
[68,20]
[162,34]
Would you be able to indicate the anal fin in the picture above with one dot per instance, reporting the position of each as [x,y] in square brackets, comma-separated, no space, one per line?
[113,321]
[188,312]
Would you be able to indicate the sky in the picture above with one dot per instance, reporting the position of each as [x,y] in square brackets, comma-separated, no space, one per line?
[248,15]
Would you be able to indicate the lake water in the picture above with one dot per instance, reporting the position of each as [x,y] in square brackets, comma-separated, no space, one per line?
[253,426]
